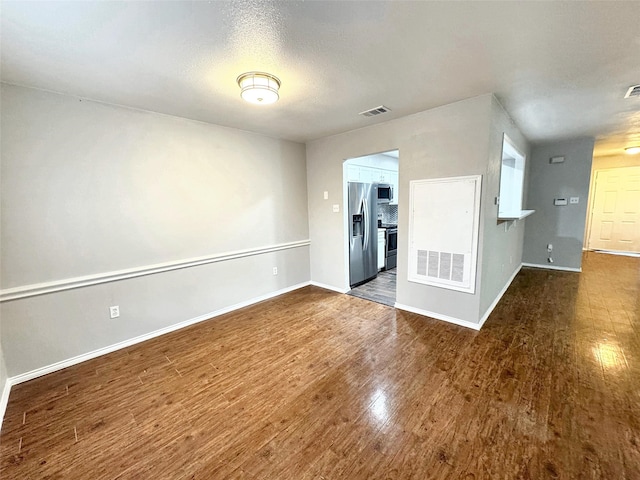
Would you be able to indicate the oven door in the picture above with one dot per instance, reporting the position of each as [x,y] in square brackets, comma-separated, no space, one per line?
[391,244]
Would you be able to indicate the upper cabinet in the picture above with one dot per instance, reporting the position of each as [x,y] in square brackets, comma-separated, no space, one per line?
[510,200]
[393,180]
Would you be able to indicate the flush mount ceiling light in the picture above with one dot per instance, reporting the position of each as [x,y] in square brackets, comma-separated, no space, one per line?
[259,87]
[632,150]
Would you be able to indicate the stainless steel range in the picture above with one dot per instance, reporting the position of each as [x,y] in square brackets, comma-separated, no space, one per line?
[390,246]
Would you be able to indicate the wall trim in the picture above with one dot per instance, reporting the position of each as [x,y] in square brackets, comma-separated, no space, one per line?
[328,287]
[105,277]
[552,267]
[4,399]
[439,316]
[489,310]
[38,372]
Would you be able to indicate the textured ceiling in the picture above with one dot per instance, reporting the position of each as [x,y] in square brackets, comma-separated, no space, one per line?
[560,69]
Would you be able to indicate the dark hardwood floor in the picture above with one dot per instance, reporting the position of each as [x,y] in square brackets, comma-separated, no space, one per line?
[318,385]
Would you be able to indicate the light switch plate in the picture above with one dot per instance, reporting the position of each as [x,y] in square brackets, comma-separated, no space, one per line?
[326,195]
[558,202]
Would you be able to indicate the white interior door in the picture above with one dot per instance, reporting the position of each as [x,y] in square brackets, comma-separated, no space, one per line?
[615,215]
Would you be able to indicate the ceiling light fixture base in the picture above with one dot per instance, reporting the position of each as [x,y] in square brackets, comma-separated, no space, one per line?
[259,88]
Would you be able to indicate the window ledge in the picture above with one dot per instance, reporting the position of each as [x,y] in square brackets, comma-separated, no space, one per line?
[514,215]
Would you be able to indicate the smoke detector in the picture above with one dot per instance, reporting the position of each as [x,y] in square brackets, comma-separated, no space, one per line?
[634,91]
[375,111]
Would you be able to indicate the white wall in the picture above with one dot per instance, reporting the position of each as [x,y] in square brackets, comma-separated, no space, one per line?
[562,226]
[89,189]
[448,141]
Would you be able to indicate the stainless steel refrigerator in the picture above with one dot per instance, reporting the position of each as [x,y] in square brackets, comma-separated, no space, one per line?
[363,232]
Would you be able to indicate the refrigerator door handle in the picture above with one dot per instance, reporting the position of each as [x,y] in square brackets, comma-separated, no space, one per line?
[365,225]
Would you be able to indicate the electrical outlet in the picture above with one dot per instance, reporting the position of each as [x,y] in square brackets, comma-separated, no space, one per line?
[336,208]
[574,200]
[275,270]
[549,247]
[114,311]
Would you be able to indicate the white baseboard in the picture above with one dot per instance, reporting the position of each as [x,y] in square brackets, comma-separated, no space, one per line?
[616,252]
[4,399]
[500,295]
[552,267]
[23,377]
[439,316]
[328,287]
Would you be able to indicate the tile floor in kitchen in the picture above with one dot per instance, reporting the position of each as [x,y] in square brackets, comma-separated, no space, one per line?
[381,289]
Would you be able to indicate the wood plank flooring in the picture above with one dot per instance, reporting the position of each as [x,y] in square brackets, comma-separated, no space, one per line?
[318,385]
[381,289]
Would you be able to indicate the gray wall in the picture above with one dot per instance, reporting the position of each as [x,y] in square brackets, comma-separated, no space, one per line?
[3,372]
[562,226]
[501,242]
[452,140]
[89,189]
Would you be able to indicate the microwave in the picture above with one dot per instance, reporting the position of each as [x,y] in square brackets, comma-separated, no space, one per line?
[385,193]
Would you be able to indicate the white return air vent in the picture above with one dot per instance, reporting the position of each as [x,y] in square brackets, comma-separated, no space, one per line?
[375,111]
[442,265]
[634,91]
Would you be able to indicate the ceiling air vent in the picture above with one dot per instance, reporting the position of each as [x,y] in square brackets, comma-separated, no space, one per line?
[634,91]
[375,111]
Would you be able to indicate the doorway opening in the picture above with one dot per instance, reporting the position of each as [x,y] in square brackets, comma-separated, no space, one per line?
[371,193]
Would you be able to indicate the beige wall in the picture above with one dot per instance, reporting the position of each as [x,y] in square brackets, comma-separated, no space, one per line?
[452,140]
[89,189]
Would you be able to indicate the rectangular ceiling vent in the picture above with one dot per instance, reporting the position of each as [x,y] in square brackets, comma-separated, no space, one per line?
[634,91]
[375,111]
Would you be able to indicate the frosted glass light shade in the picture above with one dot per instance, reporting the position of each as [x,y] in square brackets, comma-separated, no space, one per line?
[632,150]
[259,88]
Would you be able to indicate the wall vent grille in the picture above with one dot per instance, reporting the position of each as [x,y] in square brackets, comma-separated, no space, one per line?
[634,91]
[443,265]
[375,111]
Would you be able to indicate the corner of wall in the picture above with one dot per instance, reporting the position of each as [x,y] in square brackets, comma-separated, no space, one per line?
[5,385]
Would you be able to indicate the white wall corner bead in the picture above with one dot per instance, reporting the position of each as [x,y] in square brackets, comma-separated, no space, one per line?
[443,232]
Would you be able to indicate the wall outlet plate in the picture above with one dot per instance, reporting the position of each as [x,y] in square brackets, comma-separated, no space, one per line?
[114,311]
[336,208]
[574,200]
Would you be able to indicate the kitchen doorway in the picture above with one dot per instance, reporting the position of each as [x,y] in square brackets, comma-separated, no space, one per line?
[371,190]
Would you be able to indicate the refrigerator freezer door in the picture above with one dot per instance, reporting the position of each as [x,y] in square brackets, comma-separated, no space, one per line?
[362,203]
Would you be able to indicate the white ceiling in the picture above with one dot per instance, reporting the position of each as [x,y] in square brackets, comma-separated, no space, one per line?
[561,69]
